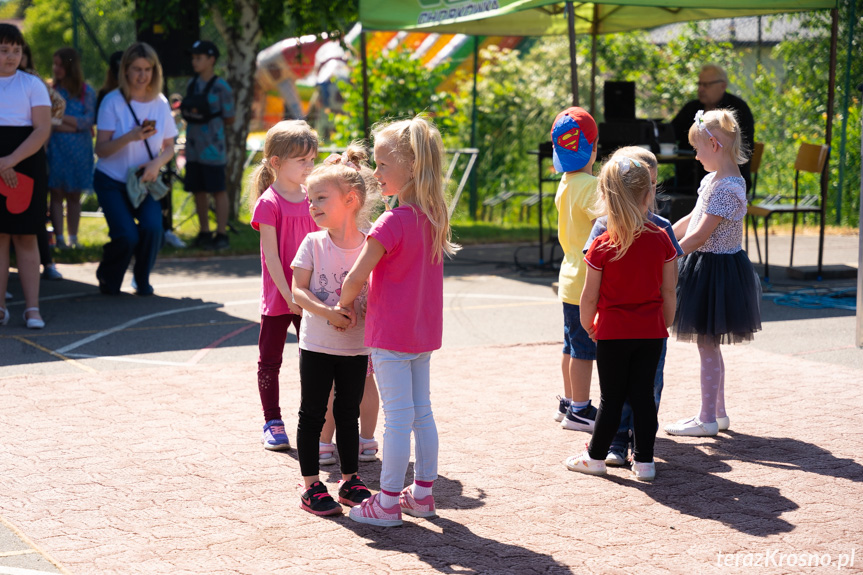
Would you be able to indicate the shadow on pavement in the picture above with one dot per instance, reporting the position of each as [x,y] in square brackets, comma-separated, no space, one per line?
[456,549]
[691,482]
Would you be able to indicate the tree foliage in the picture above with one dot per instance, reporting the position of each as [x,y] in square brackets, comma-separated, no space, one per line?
[399,87]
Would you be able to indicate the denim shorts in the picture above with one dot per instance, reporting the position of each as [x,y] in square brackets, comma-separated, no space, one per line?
[576,342]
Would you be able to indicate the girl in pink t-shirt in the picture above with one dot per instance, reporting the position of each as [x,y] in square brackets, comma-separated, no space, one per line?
[627,302]
[281,214]
[404,320]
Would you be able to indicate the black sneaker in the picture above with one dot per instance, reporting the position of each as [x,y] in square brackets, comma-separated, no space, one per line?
[317,501]
[203,241]
[220,242]
[580,419]
[353,491]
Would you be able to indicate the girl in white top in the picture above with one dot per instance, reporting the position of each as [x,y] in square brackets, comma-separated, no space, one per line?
[341,193]
[25,125]
[718,291]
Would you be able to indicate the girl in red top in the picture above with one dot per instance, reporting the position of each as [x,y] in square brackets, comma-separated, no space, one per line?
[627,302]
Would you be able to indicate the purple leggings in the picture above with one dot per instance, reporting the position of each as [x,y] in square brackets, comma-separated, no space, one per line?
[271,345]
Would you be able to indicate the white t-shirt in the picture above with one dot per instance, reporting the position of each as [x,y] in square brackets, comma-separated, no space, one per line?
[19,93]
[114,116]
[329,265]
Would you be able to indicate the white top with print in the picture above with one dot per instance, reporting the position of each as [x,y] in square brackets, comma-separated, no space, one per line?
[725,198]
[329,265]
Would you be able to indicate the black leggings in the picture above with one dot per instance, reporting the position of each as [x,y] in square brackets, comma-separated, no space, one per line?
[318,372]
[627,368]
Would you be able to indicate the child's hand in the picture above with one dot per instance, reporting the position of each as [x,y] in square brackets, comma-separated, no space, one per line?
[591,332]
[340,318]
[295,309]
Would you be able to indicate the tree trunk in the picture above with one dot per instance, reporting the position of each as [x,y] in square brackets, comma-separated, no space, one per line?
[242,46]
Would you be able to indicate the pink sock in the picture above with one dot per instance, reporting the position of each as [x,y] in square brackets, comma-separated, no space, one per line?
[422,489]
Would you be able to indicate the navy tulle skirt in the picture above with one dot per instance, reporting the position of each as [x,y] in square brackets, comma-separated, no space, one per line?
[718,296]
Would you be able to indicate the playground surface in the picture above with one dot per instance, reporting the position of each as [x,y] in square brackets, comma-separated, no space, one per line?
[130,440]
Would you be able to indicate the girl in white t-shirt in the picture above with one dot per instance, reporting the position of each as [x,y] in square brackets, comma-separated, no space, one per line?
[341,193]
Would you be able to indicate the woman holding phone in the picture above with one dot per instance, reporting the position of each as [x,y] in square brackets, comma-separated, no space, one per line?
[135,134]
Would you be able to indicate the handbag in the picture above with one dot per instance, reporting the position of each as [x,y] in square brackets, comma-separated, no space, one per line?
[138,190]
[195,107]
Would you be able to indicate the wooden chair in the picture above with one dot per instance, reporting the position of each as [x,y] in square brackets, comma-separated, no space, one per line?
[754,165]
[810,158]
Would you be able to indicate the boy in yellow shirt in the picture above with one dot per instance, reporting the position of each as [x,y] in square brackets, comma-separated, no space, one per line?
[574,136]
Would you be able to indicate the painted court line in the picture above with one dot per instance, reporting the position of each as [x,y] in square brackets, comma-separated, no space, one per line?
[131,322]
[56,354]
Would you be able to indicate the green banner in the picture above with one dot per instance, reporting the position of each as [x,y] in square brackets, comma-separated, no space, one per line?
[546,17]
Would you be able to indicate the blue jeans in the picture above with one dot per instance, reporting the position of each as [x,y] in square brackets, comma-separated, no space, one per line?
[142,239]
[403,380]
[623,436]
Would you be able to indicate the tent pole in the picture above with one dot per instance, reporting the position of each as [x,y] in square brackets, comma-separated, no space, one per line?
[844,137]
[366,130]
[860,258]
[828,132]
[595,27]
[573,63]
[473,200]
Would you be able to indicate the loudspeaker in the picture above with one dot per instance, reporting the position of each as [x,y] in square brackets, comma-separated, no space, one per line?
[171,30]
[619,100]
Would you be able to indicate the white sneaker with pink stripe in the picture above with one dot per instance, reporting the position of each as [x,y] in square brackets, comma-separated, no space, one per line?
[370,511]
[423,507]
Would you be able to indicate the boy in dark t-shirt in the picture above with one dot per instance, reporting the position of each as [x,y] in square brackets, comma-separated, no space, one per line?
[206,154]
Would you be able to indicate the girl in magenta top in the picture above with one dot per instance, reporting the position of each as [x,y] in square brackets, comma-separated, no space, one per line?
[627,302]
[281,214]
[404,321]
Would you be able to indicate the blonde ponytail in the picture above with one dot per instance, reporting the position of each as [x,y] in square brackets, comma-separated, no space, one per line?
[418,143]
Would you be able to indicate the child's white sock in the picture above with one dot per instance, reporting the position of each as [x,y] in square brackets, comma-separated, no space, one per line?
[422,489]
[388,499]
[367,451]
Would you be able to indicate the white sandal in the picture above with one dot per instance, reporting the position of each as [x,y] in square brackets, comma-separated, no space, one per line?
[4,319]
[32,322]
[692,427]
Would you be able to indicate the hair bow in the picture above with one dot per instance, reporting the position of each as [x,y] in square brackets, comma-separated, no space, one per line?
[702,127]
[624,163]
[341,159]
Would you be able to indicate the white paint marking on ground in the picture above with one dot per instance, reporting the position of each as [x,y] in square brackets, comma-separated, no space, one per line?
[20,571]
[131,322]
[128,359]
[500,296]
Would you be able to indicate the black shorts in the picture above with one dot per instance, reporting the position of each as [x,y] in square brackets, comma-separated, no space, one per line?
[204,178]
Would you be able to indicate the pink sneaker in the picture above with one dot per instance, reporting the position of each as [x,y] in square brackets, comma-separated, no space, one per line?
[371,512]
[416,507]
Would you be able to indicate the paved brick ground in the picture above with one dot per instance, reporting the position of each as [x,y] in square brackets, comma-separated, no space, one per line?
[155,469]
[185,487]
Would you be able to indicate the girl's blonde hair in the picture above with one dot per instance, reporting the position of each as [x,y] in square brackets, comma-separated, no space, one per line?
[417,143]
[350,172]
[132,53]
[645,157]
[624,182]
[722,125]
[287,139]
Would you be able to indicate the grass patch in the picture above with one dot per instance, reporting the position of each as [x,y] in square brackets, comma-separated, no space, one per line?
[93,233]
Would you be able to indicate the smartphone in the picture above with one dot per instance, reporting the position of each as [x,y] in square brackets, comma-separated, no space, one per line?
[146,124]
